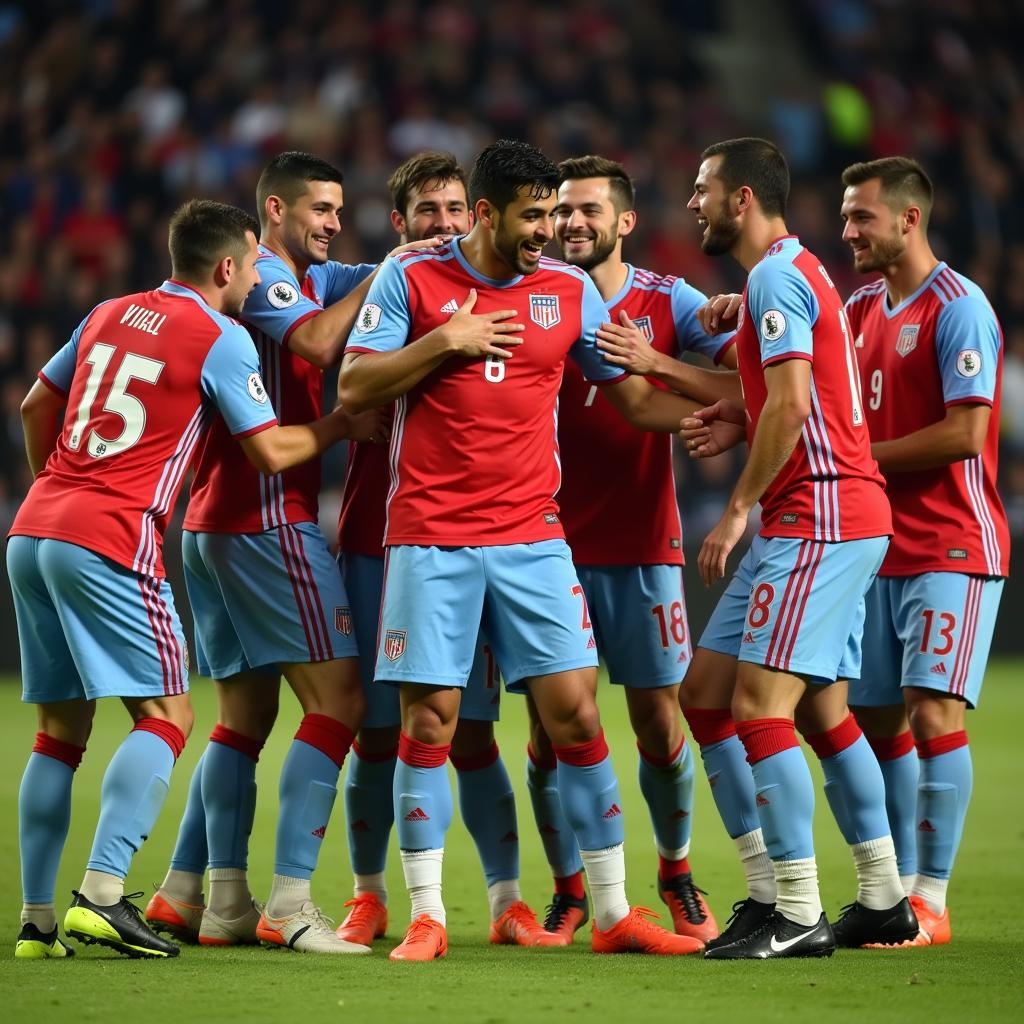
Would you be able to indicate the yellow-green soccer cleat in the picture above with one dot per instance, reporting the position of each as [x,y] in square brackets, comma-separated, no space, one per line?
[119,926]
[36,945]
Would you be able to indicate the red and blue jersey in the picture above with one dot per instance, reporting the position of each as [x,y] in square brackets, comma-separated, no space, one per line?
[144,377]
[363,520]
[618,496]
[940,347]
[474,456]
[830,488]
[229,495]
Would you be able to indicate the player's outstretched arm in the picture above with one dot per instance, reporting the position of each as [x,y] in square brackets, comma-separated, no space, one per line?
[959,435]
[40,421]
[711,431]
[279,448]
[649,408]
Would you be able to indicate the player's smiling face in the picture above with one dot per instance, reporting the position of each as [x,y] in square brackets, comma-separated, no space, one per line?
[434,209]
[520,231]
[586,222]
[871,228]
[710,202]
[309,224]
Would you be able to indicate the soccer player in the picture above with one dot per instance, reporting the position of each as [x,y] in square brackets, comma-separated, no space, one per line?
[142,378]
[429,196]
[793,612]
[268,598]
[930,363]
[626,537]
[473,531]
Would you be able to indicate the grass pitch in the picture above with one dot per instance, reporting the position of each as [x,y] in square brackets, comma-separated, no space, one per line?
[979,977]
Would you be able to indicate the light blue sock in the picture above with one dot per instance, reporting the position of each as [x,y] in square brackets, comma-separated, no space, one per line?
[855,789]
[732,785]
[943,796]
[190,850]
[591,801]
[44,815]
[901,778]
[306,798]
[785,804]
[229,795]
[488,808]
[423,805]
[556,835]
[369,812]
[668,790]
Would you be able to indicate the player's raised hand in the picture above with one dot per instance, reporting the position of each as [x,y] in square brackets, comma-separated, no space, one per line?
[624,345]
[420,245]
[720,314]
[715,429]
[483,334]
[714,552]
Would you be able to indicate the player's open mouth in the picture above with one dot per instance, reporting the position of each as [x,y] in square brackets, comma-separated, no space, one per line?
[322,240]
[578,239]
[702,222]
[532,252]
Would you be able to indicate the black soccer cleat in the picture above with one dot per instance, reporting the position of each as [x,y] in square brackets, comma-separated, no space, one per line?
[779,937]
[566,915]
[119,926]
[747,916]
[859,926]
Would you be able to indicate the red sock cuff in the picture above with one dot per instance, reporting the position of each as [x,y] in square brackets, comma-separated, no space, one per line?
[835,741]
[545,764]
[422,755]
[941,744]
[582,755]
[672,868]
[167,731]
[475,762]
[48,746]
[571,885]
[709,725]
[331,737]
[236,741]
[378,758]
[763,737]
[891,748]
[662,762]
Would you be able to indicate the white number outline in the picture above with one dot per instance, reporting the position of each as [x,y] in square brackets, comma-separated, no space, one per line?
[494,369]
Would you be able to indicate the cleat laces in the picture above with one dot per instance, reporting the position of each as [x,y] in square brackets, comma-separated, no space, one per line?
[688,894]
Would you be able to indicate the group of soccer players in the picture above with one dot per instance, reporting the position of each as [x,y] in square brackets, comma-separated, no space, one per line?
[458,566]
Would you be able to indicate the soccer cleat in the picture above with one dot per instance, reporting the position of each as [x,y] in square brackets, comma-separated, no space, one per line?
[690,913]
[119,926]
[860,927]
[519,926]
[425,939]
[307,931]
[635,933]
[366,921]
[779,937]
[231,931]
[36,945]
[747,916]
[932,929]
[181,920]
[566,915]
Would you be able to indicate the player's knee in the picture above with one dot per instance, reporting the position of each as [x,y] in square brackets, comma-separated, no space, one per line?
[472,738]
[427,724]
[932,715]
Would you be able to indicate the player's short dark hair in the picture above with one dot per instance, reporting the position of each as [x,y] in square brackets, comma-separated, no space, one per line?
[287,176]
[432,169]
[620,184]
[903,180]
[758,164]
[202,232]
[508,166]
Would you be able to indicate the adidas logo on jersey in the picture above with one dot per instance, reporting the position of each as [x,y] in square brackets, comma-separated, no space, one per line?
[612,812]
[417,814]
[319,832]
[940,669]
[451,306]
[926,826]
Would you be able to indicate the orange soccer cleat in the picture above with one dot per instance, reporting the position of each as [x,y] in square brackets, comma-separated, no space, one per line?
[426,939]
[519,926]
[366,921]
[933,929]
[566,915]
[636,933]
[690,913]
[181,920]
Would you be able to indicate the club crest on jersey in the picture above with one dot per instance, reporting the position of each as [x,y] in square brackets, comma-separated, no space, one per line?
[394,644]
[257,392]
[773,325]
[282,295]
[646,327]
[544,311]
[968,362]
[369,318]
[907,340]
[343,621]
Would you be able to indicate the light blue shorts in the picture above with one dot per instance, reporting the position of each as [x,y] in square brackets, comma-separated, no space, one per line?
[933,631]
[639,617]
[364,583]
[265,599]
[526,597]
[91,628]
[798,606]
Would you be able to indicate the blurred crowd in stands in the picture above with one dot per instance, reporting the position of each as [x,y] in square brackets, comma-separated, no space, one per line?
[112,112]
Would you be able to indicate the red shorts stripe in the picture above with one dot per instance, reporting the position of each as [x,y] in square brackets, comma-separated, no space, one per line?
[784,605]
[807,583]
[299,592]
[301,566]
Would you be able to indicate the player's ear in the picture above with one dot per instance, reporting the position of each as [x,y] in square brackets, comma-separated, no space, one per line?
[485,213]
[398,222]
[627,221]
[274,207]
[743,197]
[224,271]
[911,217]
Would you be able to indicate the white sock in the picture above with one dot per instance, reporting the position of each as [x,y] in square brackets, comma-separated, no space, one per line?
[102,889]
[680,854]
[42,915]
[878,881]
[229,892]
[798,898]
[422,870]
[932,891]
[606,877]
[501,895]
[907,881]
[756,866]
[185,886]
[287,895]
[372,884]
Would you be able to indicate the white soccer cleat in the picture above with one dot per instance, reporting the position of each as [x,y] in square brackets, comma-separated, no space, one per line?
[308,931]
[234,931]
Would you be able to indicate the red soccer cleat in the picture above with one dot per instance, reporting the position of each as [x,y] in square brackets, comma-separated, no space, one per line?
[366,921]
[690,913]
[566,915]
[636,933]
[519,926]
[426,939]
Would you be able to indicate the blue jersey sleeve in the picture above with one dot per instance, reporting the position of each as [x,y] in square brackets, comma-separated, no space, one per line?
[338,279]
[783,309]
[589,358]
[383,324]
[231,380]
[967,343]
[276,306]
[690,336]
